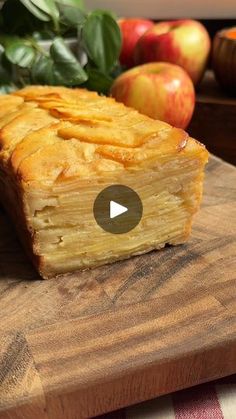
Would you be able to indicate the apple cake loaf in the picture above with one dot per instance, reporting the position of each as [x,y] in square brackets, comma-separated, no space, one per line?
[59,148]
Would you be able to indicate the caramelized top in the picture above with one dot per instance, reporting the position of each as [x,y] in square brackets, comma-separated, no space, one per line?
[55,133]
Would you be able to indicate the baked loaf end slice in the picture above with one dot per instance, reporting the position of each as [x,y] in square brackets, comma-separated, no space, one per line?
[61,147]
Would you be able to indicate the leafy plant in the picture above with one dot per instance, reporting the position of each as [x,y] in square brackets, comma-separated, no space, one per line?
[24,59]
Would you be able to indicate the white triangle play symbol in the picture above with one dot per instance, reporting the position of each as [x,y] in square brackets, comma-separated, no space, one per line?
[116,209]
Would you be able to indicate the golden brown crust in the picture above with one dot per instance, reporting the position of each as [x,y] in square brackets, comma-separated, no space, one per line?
[58,133]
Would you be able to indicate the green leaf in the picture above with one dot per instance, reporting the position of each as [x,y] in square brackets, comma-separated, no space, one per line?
[7,88]
[42,70]
[71,15]
[43,35]
[60,68]
[75,3]
[68,70]
[49,7]
[98,81]
[102,38]
[20,52]
[35,10]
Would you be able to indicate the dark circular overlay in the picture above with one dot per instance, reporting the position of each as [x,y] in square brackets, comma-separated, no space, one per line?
[122,195]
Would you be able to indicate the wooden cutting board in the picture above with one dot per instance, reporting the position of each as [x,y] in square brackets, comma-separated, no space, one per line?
[96,341]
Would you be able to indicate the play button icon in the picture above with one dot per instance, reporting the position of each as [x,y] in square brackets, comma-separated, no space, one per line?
[117,209]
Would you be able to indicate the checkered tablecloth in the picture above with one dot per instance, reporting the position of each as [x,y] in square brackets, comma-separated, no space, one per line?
[215,400]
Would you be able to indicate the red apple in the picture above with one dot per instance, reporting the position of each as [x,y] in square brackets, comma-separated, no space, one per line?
[182,42]
[160,90]
[132,30]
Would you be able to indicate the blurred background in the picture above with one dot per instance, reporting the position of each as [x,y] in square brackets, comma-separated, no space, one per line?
[214,14]
[212,104]
[168,9]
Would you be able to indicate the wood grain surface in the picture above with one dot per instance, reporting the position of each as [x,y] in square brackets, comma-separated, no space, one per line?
[90,343]
[214,119]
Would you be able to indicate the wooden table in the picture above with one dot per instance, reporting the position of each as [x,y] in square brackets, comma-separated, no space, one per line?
[117,335]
